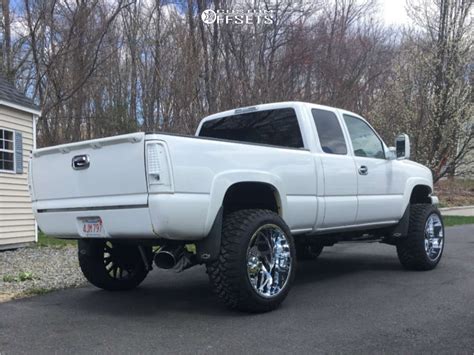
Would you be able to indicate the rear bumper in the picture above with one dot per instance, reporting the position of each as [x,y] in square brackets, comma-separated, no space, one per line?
[168,216]
[118,223]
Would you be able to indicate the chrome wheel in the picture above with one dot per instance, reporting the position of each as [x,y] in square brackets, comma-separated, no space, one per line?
[269,260]
[434,236]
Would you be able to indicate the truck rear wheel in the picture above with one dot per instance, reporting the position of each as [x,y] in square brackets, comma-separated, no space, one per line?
[256,264]
[423,247]
[111,265]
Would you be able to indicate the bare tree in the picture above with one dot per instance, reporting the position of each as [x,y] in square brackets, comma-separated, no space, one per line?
[5,49]
[103,67]
[429,92]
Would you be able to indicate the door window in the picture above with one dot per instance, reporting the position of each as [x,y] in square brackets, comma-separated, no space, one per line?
[329,132]
[364,140]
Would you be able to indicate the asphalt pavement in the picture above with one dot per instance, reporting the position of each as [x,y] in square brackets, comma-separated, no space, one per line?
[355,298]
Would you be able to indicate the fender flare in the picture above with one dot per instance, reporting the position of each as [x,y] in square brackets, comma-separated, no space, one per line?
[409,186]
[223,181]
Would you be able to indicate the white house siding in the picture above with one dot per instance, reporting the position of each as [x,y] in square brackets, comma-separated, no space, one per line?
[17,223]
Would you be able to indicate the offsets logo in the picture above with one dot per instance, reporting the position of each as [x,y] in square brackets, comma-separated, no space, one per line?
[238,17]
[208,16]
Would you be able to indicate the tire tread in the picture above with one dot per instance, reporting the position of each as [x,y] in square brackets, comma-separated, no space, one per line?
[93,269]
[411,252]
[225,274]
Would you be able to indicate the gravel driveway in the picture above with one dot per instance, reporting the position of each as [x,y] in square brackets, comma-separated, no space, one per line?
[36,270]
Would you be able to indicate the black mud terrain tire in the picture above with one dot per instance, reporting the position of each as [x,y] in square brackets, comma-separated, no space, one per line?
[111,265]
[229,274]
[411,251]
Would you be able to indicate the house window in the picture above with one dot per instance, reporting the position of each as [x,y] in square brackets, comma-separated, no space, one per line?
[7,150]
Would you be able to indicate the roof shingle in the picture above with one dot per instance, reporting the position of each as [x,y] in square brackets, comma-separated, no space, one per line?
[10,94]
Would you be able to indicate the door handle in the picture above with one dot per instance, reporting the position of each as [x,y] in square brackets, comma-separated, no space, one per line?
[80,162]
[363,170]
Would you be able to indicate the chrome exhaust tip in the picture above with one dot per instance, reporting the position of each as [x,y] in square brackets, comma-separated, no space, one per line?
[167,258]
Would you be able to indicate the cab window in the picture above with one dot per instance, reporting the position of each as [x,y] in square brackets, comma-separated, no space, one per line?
[278,127]
[364,140]
[329,132]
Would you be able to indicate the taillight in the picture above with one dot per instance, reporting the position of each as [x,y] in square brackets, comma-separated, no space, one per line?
[158,168]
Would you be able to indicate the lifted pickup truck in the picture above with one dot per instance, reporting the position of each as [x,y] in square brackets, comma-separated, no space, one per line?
[255,189]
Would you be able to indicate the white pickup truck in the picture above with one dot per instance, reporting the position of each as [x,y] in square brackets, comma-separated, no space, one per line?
[255,189]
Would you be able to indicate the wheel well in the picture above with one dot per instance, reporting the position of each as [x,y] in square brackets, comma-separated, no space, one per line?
[420,194]
[245,195]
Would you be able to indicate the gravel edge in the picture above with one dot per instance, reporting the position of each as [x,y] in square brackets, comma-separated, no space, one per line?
[36,270]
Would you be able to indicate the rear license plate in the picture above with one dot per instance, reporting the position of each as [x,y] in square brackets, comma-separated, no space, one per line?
[92,227]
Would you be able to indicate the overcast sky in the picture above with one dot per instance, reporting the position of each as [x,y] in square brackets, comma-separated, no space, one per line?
[393,12]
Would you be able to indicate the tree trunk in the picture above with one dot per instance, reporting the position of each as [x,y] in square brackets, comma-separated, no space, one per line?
[7,51]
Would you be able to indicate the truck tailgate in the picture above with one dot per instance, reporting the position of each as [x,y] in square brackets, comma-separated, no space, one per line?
[112,166]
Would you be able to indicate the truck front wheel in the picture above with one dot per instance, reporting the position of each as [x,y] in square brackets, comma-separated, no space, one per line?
[111,265]
[256,264]
[424,245]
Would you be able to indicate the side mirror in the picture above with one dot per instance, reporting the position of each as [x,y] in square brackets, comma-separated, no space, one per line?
[402,144]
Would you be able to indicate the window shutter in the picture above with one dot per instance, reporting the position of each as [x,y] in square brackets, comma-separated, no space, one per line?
[18,152]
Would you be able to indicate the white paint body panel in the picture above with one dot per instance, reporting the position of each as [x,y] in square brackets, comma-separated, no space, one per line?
[117,166]
[316,191]
[340,190]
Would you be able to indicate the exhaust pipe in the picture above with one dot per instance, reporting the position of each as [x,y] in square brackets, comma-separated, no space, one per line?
[167,257]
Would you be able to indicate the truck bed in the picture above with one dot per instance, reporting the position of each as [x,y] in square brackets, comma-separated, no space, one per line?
[117,187]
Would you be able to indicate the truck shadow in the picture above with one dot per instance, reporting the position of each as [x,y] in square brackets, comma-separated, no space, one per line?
[332,265]
[165,292]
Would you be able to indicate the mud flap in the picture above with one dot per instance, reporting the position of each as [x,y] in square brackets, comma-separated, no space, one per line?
[208,249]
[399,231]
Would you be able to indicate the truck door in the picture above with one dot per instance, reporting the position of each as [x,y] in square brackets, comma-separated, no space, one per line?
[339,191]
[379,195]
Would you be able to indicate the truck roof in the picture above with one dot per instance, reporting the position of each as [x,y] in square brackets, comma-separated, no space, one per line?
[273,105]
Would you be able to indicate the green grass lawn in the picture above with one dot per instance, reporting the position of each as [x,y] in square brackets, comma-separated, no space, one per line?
[46,241]
[450,221]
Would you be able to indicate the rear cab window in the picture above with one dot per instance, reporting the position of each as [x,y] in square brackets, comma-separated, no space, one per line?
[329,132]
[277,127]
